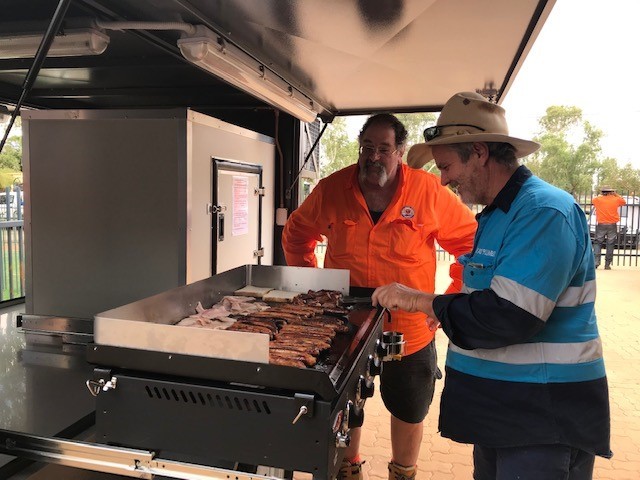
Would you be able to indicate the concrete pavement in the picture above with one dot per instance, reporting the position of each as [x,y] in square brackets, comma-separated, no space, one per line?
[618,310]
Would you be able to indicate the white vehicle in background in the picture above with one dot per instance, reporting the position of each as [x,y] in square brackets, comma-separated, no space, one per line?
[628,226]
[9,209]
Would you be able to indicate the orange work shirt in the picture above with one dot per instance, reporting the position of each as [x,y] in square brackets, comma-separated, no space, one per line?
[400,247]
[607,207]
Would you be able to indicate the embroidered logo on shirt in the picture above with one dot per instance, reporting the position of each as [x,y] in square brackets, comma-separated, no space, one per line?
[407,212]
[484,251]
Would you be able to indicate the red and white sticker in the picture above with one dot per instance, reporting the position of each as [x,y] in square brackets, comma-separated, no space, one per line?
[337,423]
[407,212]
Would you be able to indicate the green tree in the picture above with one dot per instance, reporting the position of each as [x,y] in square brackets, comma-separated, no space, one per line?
[415,124]
[622,179]
[11,156]
[629,179]
[337,150]
[570,150]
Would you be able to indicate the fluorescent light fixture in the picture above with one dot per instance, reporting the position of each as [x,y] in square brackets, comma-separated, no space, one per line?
[236,67]
[68,44]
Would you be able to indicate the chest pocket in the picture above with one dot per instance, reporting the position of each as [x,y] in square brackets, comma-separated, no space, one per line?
[406,241]
[477,276]
[342,237]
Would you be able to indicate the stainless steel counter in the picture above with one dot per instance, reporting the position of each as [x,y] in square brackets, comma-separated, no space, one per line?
[44,399]
[42,387]
[47,414]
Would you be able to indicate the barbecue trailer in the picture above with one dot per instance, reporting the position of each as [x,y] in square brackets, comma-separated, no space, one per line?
[231,406]
[164,143]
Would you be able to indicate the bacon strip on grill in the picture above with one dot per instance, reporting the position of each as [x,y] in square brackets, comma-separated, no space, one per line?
[321,298]
[302,310]
[287,362]
[333,310]
[271,325]
[308,359]
[317,330]
[337,326]
[272,313]
[341,325]
[277,322]
[243,327]
[294,346]
[301,339]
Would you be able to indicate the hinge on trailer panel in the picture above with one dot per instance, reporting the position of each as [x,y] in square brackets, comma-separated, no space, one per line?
[259,252]
[259,191]
[102,381]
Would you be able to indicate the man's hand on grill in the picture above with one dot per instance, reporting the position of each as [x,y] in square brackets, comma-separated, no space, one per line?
[396,296]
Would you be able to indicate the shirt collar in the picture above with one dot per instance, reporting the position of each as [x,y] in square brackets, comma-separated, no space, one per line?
[507,195]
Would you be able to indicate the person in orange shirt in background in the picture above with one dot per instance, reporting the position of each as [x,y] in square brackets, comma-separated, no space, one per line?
[607,218]
[382,219]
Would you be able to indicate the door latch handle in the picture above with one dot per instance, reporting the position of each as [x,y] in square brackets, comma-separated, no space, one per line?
[220,227]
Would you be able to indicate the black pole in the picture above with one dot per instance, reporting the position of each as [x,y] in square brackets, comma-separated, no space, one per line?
[41,54]
[306,159]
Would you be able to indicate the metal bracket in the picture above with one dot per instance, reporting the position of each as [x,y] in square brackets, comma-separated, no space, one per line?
[216,208]
[261,191]
[101,382]
[304,406]
[95,386]
[259,252]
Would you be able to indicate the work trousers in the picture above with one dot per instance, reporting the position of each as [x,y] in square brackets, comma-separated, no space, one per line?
[605,232]
[534,462]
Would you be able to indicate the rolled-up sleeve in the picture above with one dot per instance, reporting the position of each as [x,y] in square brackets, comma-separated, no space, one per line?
[301,233]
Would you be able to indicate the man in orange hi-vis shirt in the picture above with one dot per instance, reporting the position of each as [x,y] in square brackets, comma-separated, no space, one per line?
[607,218]
[382,219]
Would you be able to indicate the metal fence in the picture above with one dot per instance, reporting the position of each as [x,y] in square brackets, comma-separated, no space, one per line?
[626,253]
[11,244]
[12,238]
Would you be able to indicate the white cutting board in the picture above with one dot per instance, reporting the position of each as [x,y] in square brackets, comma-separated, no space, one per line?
[203,342]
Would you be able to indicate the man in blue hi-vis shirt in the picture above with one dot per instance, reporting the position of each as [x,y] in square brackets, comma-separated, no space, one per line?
[525,378]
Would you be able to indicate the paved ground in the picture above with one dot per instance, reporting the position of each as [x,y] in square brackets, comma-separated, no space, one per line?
[618,309]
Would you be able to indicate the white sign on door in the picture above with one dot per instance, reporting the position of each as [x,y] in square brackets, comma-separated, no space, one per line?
[240,224]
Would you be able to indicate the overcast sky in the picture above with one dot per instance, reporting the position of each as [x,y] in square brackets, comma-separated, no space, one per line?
[585,56]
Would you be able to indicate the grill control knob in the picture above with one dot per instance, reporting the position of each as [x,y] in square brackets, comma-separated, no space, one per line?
[374,366]
[366,388]
[342,440]
[380,350]
[356,417]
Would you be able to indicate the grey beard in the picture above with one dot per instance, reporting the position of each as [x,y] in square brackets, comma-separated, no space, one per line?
[382,174]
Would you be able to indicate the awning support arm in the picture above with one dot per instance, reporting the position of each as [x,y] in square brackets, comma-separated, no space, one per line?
[41,54]
[306,159]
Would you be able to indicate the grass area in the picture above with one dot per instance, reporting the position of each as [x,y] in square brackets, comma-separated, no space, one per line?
[12,265]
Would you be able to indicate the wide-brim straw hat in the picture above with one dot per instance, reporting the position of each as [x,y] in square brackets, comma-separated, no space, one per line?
[469,117]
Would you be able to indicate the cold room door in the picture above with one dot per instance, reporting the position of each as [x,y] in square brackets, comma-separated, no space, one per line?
[236,214]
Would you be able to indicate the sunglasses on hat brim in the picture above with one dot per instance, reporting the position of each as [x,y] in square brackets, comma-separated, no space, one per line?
[434,132]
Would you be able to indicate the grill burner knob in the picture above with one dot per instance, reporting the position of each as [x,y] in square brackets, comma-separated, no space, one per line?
[356,416]
[374,366]
[366,388]
[342,440]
